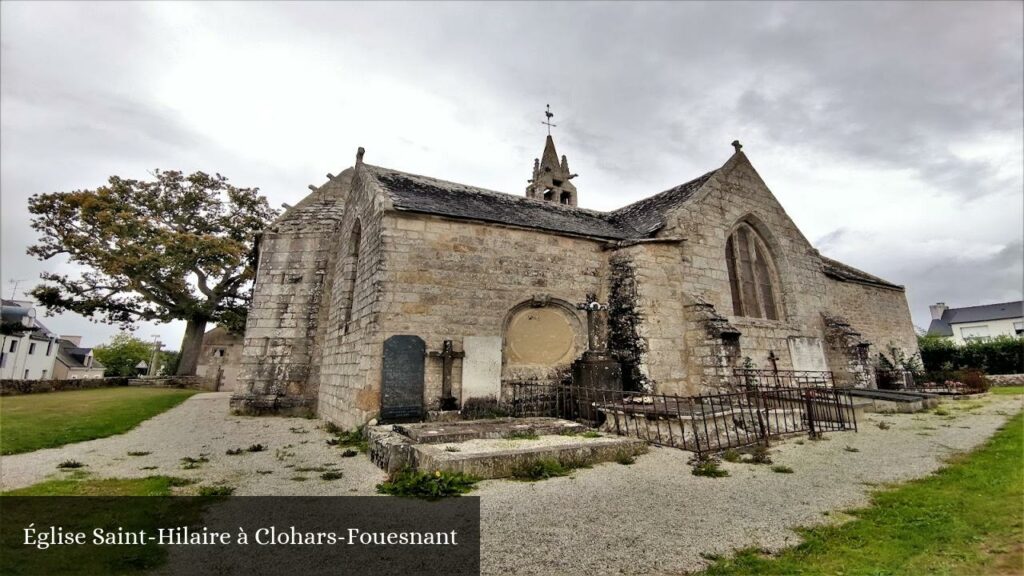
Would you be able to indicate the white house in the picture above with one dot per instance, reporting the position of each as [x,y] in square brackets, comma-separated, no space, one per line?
[977,322]
[30,351]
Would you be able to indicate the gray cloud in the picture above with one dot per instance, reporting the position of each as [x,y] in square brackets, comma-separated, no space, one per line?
[914,107]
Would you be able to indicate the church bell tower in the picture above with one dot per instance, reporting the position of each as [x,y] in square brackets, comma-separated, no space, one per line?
[550,180]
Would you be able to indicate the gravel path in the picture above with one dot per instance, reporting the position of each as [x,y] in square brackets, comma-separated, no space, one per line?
[651,517]
[655,517]
[203,426]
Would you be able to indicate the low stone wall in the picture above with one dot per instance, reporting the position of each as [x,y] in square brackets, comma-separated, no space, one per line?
[1006,379]
[190,382]
[15,387]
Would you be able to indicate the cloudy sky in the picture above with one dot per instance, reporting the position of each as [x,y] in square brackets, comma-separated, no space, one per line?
[892,133]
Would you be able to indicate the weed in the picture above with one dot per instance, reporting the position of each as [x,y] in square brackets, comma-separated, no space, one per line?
[298,430]
[349,453]
[331,428]
[233,451]
[298,478]
[851,449]
[710,557]
[884,425]
[782,469]
[799,442]
[216,490]
[139,453]
[759,455]
[940,411]
[281,454]
[149,468]
[541,470]
[354,439]
[591,434]
[264,472]
[68,464]
[332,441]
[256,448]
[331,475]
[710,468]
[625,459]
[188,462]
[428,486]
[452,449]
[732,455]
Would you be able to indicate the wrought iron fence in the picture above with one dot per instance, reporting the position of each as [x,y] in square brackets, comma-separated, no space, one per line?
[702,424]
[783,378]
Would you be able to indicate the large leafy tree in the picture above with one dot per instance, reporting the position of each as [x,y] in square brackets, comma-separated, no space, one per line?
[122,354]
[178,247]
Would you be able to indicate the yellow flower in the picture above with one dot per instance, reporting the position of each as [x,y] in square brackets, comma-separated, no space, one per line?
[437,473]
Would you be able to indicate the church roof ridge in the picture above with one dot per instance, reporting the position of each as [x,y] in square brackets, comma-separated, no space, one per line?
[646,214]
[418,193]
[841,271]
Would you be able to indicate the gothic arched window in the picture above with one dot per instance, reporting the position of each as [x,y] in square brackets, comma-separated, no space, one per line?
[351,271]
[751,275]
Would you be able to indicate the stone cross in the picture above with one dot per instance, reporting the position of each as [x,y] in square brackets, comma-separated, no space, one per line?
[447,356]
[597,326]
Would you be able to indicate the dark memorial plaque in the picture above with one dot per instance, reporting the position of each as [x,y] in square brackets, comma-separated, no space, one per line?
[401,388]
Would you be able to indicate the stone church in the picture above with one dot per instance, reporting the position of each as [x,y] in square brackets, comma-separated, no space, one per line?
[384,291]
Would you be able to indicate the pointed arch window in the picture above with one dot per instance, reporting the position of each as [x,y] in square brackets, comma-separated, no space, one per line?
[751,275]
[351,271]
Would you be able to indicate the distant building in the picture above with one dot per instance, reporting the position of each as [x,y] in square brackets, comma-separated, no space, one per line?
[27,348]
[221,358]
[977,322]
[74,362]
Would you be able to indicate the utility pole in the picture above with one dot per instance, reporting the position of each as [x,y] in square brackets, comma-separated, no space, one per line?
[14,286]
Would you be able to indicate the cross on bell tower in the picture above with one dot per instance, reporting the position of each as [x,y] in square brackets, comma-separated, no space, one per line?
[550,180]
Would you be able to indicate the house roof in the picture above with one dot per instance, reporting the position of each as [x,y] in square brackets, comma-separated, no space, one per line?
[847,273]
[985,313]
[74,357]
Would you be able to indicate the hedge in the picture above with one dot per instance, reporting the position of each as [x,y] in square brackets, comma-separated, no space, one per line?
[1002,355]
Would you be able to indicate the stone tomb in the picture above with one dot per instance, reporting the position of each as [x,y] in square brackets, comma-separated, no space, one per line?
[481,368]
[490,449]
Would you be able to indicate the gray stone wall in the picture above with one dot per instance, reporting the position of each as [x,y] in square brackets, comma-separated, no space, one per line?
[350,338]
[278,368]
[881,315]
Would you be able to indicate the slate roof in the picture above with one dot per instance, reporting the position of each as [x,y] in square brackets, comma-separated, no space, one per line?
[414,193]
[648,215]
[984,313]
[847,273]
[74,357]
[422,194]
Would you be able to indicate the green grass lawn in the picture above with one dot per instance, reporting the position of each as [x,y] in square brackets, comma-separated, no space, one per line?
[34,421]
[968,518]
[1007,390]
[85,514]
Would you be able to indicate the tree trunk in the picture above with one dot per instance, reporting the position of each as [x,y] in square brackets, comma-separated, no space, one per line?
[191,347]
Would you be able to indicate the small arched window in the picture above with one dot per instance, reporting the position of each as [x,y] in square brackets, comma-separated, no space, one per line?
[351,271]
[751,275]
[566,198]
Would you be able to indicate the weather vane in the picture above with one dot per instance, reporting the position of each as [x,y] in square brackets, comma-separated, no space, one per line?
[549,114]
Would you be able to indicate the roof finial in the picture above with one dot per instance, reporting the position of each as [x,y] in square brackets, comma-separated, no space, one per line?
[549,115]
[359,155]
[736,144]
